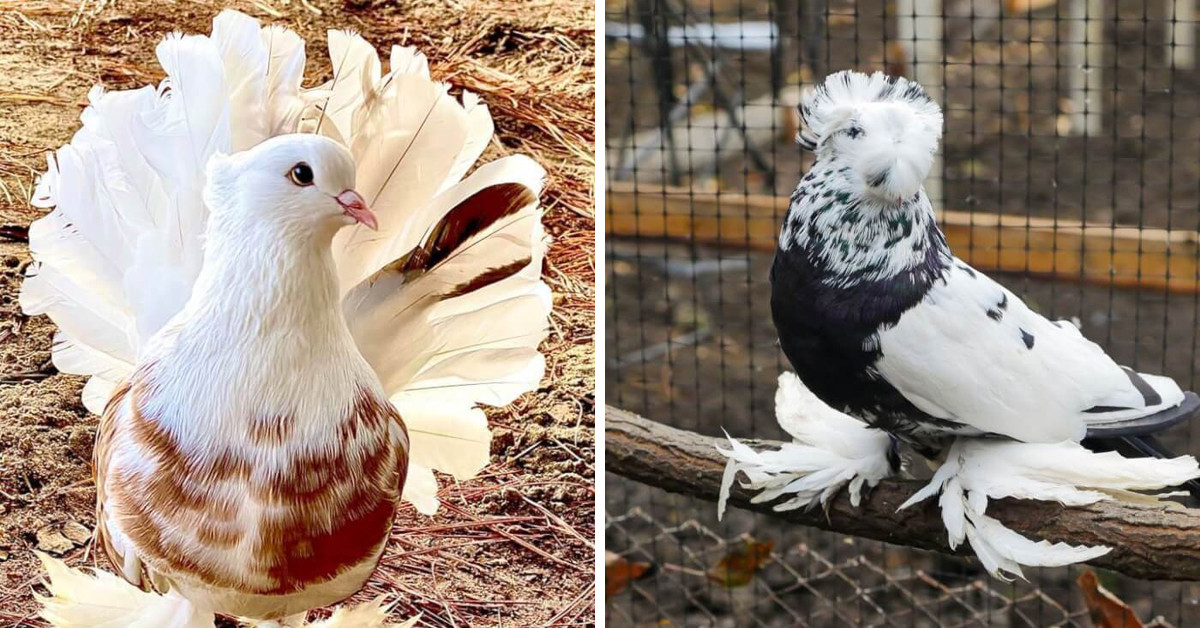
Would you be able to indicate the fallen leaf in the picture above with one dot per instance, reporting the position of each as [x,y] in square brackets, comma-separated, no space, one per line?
[76,532]
[737,568]
[51,539]
[620,571]
[1106,609]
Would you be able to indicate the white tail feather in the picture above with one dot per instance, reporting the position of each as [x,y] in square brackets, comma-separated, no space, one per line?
[407,137]
[420,488]
[103,600]
[117,257]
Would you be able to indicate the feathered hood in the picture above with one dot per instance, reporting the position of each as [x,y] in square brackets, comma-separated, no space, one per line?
[886,128]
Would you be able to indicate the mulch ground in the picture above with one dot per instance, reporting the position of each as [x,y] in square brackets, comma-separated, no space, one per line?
[513,547]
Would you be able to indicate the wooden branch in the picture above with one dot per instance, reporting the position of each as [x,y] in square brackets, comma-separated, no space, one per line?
[1129,257]
[1153,542]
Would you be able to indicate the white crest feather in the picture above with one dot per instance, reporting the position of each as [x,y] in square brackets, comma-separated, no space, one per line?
[886,128]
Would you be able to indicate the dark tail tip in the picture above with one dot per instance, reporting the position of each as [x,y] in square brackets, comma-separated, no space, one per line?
[1157,422]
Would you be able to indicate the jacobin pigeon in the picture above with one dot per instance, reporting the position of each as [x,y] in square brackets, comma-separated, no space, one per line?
[266,284]
[883,324]
[880,319]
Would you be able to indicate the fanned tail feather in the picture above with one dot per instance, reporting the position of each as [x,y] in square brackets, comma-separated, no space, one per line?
[456,320]
[103,600]
[445,300]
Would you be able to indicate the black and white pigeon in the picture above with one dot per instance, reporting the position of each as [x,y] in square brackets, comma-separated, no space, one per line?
[880,319]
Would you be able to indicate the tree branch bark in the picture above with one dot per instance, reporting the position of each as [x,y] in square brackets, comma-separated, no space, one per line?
[1160,542]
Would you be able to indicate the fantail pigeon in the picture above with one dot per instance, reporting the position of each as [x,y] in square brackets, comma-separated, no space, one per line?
[265,284]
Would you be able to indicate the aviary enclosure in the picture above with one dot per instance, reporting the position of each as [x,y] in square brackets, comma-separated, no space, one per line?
[1069,170]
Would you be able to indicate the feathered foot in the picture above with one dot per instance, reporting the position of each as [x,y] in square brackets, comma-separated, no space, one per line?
[103,600]
[831,450]
[373,614]
[976,470]
[299,620]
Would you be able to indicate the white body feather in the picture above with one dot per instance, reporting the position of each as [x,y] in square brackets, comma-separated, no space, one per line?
[1021,376]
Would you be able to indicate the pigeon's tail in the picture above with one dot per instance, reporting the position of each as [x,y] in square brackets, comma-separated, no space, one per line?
[885,128]
[1140,405]
[456,321]
[102,600]
[1135,436]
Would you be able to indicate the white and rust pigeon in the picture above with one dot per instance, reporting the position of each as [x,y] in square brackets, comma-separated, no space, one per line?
[265,285]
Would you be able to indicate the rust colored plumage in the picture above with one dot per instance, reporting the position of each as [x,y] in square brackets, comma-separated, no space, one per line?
[270,430]
[326,511]
[467,219]
[487,278]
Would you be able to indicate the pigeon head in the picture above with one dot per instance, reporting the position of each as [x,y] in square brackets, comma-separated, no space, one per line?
[885,129]
[299,184]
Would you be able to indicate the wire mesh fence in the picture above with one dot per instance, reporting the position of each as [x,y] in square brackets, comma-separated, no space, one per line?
[1069,171]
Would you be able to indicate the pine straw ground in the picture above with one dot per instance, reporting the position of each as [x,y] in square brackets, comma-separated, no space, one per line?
[511,548]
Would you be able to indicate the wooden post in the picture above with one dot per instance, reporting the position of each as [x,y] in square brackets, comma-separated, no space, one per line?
[1155,542]
[1085,63]
[1183,35]
[919,30]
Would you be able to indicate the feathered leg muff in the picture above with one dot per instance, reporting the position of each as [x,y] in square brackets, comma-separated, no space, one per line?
[977,470]
[99,599]
[830,450]
[102,600]
[373,614]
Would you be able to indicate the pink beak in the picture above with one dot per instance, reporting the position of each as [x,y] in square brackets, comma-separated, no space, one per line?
[355,207]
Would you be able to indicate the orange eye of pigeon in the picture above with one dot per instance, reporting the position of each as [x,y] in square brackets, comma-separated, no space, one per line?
[301,174]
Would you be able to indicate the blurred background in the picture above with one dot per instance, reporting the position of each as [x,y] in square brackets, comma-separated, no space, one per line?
[1070,171]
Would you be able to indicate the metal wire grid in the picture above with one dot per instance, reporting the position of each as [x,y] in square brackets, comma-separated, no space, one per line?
[689,333]
[849,590]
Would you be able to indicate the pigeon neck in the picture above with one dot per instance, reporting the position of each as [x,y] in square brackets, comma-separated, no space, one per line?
[255,286]
[263,335]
